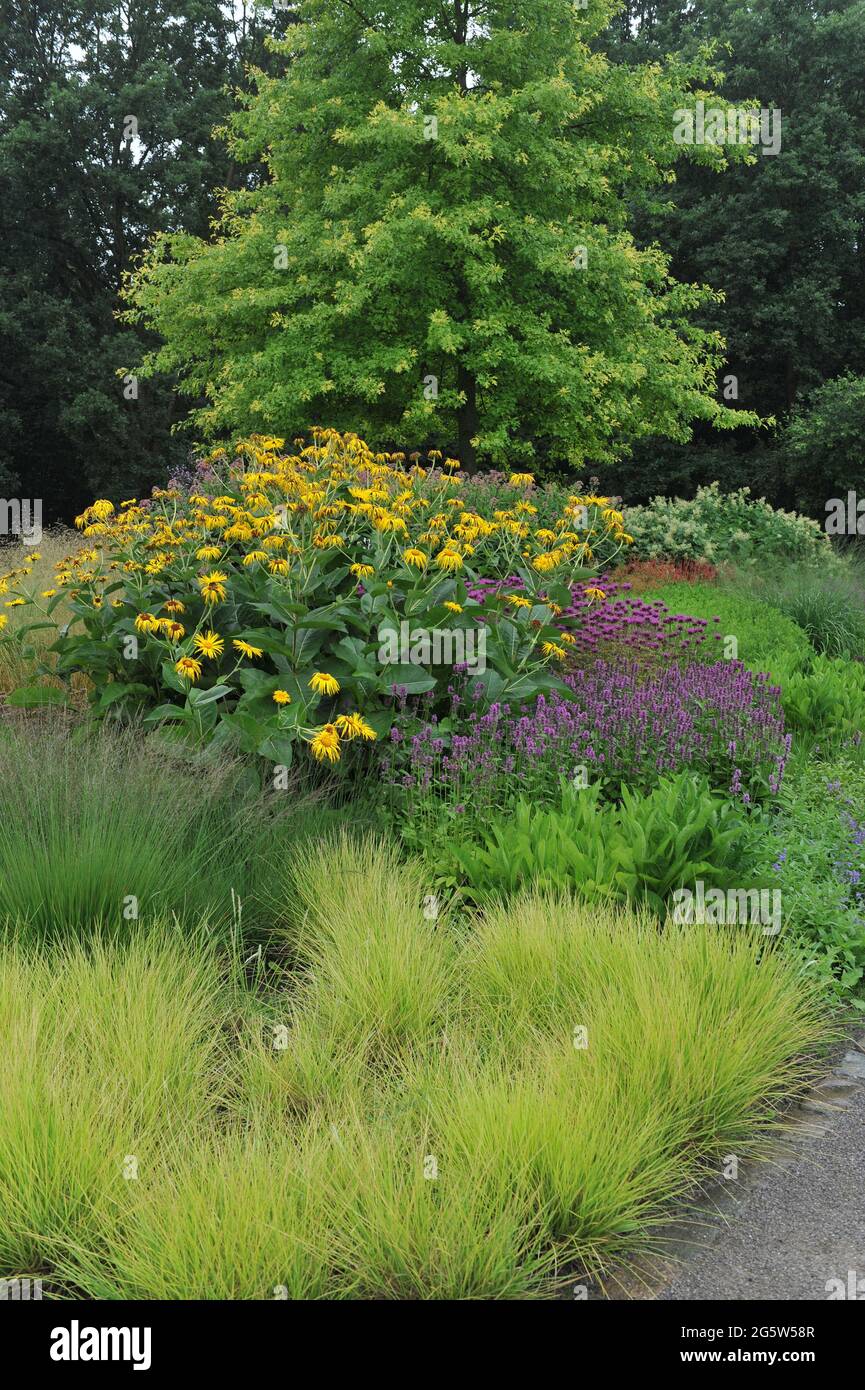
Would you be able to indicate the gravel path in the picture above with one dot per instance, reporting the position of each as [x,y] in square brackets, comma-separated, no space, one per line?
[799,1225]
[786,1228]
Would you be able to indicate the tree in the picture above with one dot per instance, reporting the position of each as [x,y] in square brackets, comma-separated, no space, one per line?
[106,111]
[440,252]
[783,238]
[823,446]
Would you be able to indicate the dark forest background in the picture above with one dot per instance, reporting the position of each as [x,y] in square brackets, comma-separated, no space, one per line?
[80,197]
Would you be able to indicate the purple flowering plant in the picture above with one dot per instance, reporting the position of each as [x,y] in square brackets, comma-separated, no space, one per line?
[618,724]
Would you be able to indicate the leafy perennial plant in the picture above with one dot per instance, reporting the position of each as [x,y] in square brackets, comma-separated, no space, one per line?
[252,612]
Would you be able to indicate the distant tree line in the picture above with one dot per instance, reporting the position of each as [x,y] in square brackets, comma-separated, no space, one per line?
[109,135]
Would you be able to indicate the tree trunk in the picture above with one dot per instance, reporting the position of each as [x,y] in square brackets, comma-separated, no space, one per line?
[467,419]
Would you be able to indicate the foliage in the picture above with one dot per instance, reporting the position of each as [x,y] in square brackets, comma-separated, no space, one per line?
[82,195]
[442,253]
[310,1169]
[823,444]
[638,851]
[828,605]
[725,528]
[269,608]
[102,831]
[780,238]
[765,640]
[826,701]
[813,846]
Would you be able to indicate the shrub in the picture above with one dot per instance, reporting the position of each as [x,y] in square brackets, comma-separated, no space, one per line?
[643,575]
[252,612]
[723,528]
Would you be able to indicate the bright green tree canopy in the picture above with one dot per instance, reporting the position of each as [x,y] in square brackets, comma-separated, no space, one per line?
[440,253]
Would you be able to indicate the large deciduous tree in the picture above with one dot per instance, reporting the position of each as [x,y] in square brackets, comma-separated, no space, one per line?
[440,253]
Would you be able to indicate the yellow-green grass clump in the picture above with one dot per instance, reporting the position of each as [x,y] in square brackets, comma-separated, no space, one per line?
[423,1110]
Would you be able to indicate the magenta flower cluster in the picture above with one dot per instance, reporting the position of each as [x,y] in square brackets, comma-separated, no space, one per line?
[618,622]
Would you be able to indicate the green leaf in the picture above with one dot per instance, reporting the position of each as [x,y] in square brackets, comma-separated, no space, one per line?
[197,697]
[34,696]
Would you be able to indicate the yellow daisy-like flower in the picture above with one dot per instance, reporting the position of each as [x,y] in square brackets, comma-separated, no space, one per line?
[448,559]
[518,601]
[188,668]
[209,644]
[552,649]
[568,637]
[593,593]
[3,621]
[545,562]
[246,649]
[325,745]
[521,480]
[175,606]
[354,726]
[361,571]
[48,593]
[16,603]
[280,697]
[256,557]
[279,567]
[323,684]
[416,558]
[145,622]
[208,552]
[453,607]
[174,631]
[212,586]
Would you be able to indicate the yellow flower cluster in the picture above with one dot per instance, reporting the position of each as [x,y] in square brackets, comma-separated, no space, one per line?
[278,524]
[280,508]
